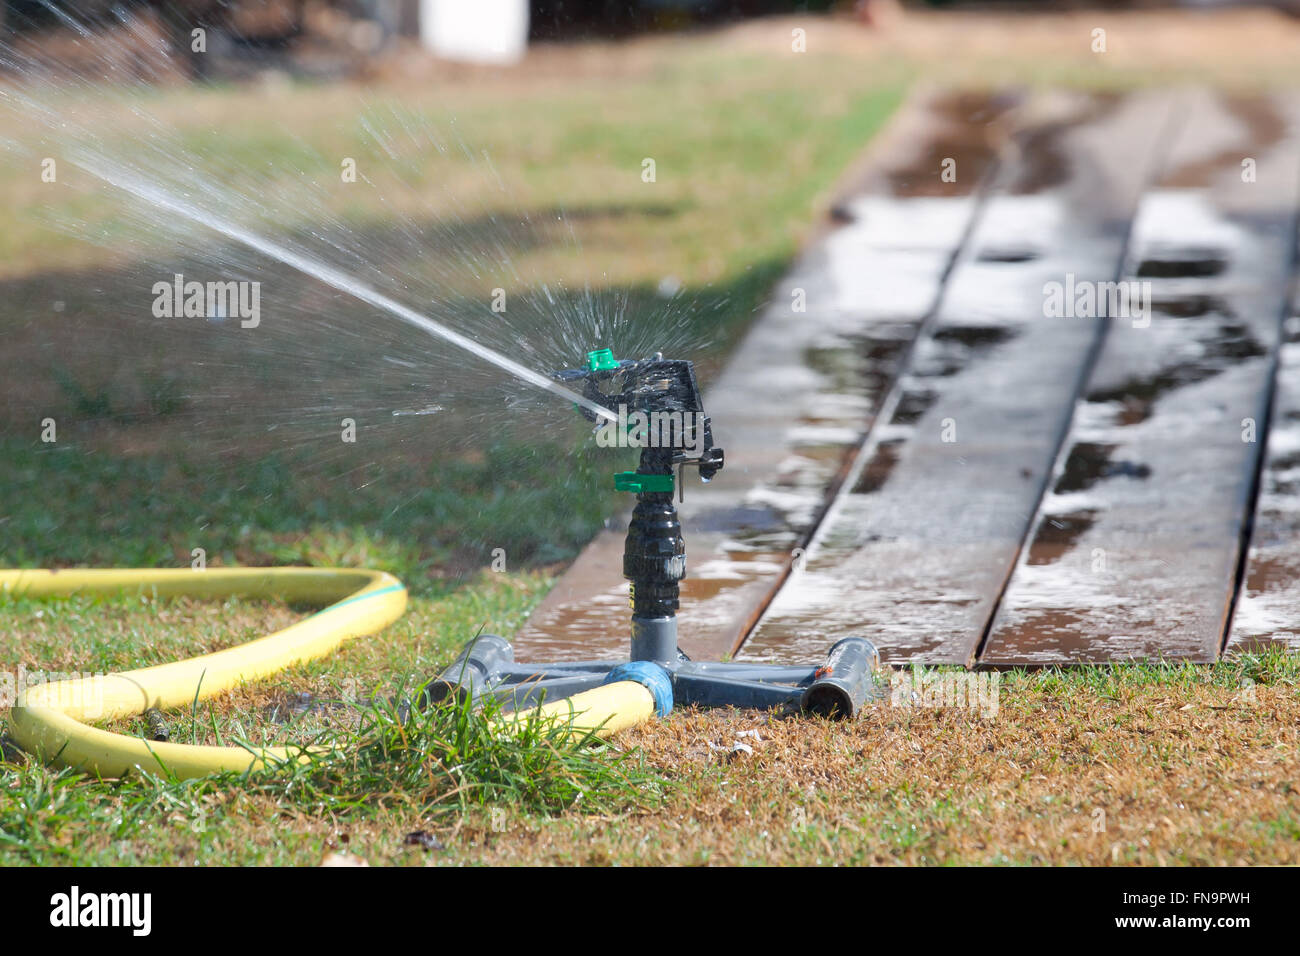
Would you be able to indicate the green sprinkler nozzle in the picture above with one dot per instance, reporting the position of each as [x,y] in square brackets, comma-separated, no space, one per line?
[601,360]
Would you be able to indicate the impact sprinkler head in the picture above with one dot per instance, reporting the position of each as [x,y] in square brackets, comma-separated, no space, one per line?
[657,406]
[659,410]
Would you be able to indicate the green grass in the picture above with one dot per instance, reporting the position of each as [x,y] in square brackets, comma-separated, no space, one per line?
[71,505]
[1265,668]
[428,765]
[388,767]
[744,154]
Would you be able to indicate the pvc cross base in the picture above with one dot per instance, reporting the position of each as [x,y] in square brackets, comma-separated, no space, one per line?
[838,687]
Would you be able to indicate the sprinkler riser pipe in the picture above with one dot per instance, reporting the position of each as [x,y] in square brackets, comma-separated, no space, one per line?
[655,639]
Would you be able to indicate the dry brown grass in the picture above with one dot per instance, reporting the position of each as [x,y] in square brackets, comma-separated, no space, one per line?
[1144,775]
[1139,765]
[1236,48]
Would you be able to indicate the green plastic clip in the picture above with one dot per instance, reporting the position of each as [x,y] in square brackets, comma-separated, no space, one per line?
[601,360]
[636,482]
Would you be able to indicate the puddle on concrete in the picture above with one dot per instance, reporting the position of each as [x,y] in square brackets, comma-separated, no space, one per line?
[966,131]
[1182,262]
[1137,556]
[1091,462]
[1190,306]
[1221,345]
[749,521]
[797,510]
[1260,124]
[1008,253]
[775,516]
[877,471]
[905,623]
[1265,616]
[913,404]
[1267,612]
[1051,632]
[1057,535]
[974,337]
[859,369]
[1045,159]
[862,363]
[951,349]
[919,547]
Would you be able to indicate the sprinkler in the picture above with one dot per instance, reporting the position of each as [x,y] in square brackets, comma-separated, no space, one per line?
[659,410]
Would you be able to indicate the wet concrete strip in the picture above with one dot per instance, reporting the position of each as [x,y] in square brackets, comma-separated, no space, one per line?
[1267,612]
[803,387]
[916,552]
[1136,546]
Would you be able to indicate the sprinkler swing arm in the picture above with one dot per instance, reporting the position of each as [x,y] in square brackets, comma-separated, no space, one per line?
[658,404]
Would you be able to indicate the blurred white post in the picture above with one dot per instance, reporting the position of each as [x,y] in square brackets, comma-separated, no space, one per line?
[475,31]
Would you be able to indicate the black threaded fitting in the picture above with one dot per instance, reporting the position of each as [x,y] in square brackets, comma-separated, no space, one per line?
[654,554]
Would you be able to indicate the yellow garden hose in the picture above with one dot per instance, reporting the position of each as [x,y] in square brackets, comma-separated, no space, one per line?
[48,719]
[602,710]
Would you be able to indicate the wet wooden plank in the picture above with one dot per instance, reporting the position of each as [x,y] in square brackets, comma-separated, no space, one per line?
[1136,546]
[1267,610]
[795,399]
[916,550]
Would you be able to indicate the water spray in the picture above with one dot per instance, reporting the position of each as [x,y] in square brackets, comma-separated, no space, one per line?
[143,189]
[657,397]
[660,400]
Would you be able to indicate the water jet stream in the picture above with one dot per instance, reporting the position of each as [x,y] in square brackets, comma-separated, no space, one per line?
[142,189]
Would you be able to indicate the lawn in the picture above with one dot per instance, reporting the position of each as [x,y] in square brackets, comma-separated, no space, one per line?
[1141,763]
[745,163]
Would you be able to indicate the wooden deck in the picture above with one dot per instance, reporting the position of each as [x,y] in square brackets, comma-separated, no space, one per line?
[927,458]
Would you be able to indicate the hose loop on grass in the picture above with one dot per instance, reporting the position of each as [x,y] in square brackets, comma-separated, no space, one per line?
[49,720]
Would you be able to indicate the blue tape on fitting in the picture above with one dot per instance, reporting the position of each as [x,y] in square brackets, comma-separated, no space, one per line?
[650,676]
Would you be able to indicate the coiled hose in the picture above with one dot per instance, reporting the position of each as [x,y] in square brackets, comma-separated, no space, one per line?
[49,719]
